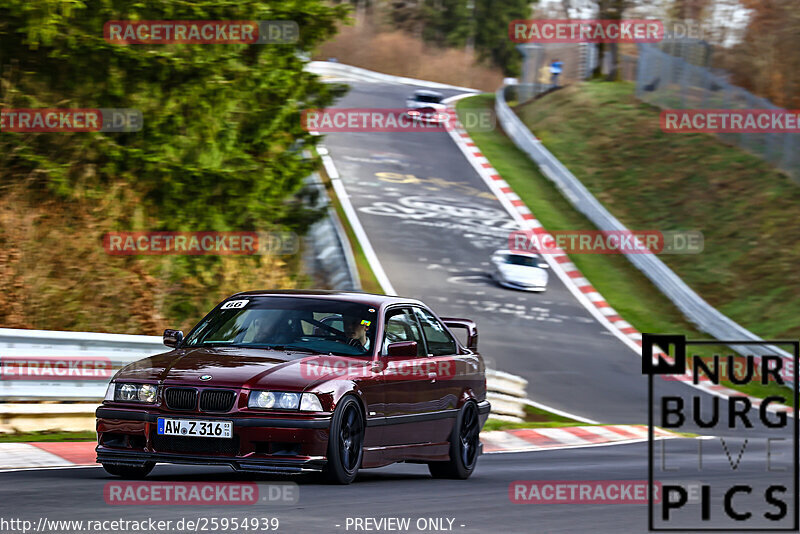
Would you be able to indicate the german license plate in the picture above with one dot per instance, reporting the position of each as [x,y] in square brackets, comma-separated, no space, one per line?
[195,428]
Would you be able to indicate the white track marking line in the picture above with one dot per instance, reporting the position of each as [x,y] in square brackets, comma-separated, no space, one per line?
[561,412]
[17,469]
[355,223]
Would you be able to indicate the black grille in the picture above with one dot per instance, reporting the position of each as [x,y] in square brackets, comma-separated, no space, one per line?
[181,398]
[217,400]
[194,445]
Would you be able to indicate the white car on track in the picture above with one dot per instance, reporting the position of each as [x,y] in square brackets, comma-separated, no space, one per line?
[426,106]
[527,271]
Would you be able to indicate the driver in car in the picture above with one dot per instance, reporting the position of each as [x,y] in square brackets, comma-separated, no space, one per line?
[355,329]
[260,331]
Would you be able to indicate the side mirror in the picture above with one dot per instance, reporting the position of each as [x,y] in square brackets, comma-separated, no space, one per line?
[468,325]
[544,265]
[403,349]
[173,338]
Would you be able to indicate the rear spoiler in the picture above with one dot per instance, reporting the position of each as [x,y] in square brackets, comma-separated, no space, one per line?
[467,324]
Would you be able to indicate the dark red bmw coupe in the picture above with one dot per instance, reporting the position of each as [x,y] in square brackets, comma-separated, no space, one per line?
[289,381]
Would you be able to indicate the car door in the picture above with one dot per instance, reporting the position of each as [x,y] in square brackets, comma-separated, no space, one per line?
[444,361]
[409,396]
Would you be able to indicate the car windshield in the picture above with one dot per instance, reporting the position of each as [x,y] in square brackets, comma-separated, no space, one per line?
[430,99]
[289,323]
[527,261]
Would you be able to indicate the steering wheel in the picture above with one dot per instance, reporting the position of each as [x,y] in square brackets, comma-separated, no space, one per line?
[338,334]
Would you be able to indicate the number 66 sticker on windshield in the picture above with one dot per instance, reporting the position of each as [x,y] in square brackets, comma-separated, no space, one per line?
[234,304]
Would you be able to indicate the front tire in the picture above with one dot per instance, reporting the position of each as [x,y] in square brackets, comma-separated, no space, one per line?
[345,442]
[464,446]
[129,472]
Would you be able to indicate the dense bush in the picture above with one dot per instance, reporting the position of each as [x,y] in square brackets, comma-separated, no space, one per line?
[220,150]
[220,121]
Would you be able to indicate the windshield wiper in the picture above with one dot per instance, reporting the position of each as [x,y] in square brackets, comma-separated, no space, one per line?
[296,348]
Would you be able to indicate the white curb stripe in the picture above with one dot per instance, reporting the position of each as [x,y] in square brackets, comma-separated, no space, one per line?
[25,455]
[562,436]
[505,441]
[603,432]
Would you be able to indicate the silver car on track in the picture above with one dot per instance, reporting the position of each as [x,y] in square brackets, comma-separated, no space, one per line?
[426,106]
[527,271]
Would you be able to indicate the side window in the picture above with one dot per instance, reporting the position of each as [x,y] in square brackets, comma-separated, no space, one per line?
[439,341]
[401,326]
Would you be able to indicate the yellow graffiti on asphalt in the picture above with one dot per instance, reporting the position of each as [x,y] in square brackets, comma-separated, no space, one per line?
[432,184]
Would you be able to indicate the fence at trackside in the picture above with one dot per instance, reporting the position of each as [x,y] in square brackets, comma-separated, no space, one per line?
[676,75]
[697,310]
[53,380]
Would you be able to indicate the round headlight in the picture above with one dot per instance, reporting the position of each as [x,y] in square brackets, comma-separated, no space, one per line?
[289,401]
[147,393]
[127,392]
[265,399]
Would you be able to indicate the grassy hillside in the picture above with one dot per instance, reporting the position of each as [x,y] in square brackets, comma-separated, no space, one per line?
[648,179]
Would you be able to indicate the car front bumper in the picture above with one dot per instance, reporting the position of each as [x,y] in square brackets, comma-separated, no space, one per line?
[264,444]
[521,287]
[287,466]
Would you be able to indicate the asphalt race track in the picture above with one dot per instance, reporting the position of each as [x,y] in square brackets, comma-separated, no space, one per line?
[481,504]
[434,223]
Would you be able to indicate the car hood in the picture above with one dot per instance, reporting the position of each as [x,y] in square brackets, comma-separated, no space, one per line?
[523,273]
[237,368]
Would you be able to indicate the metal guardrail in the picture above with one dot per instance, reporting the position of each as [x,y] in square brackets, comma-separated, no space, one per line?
[67,366]
[59,358]
[697,310]
[673,82]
